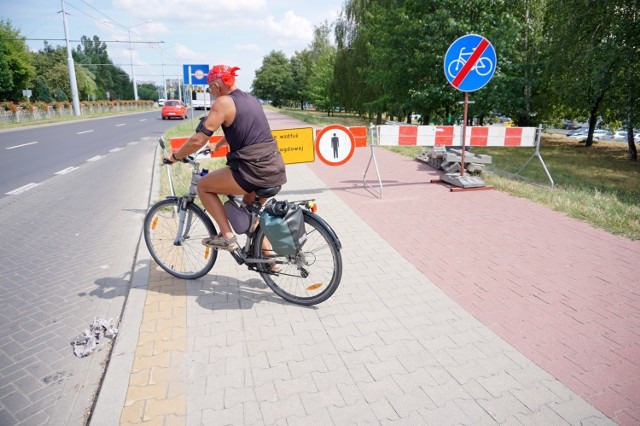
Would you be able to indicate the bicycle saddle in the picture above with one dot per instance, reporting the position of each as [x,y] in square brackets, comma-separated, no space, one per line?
[268,192]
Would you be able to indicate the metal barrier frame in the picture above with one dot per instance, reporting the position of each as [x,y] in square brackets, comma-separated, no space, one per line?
[374,137]
[374,132]
[537,154]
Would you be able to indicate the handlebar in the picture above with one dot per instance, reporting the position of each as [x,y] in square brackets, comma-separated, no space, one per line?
[206,150]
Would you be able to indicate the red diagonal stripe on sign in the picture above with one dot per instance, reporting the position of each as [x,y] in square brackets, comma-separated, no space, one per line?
[470,63]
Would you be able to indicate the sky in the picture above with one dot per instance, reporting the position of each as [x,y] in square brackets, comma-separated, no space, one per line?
[232,32]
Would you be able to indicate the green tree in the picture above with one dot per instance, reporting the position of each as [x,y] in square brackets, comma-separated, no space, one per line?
[622,103]
[582,56]
[392,51]
[274,79]
[148,92]
[53,81]
[41,91]
[353,61]
[321,82]
[301,64]
[92,54]
[16,69]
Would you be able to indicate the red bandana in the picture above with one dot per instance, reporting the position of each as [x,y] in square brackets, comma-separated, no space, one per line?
[226,73]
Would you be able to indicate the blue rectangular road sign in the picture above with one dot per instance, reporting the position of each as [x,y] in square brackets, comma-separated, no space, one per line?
[198,74]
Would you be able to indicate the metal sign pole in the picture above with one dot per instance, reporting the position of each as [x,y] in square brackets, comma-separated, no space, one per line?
[464,131]
[191,93]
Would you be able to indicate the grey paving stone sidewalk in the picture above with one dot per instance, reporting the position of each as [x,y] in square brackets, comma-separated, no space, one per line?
[388,347]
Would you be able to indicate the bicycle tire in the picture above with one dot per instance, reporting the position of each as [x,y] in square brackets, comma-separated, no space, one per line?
[323,265]
[188,259]
[456,61]
[483,61]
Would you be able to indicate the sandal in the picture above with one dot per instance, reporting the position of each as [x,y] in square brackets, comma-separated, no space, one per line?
[274,267]
[219,242]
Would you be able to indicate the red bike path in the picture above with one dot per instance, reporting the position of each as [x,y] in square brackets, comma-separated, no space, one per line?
[565,294]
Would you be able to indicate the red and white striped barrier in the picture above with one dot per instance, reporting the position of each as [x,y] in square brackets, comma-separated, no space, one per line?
[389,135]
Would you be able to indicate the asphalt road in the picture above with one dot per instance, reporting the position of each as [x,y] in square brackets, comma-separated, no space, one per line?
[68,245]
[36,153]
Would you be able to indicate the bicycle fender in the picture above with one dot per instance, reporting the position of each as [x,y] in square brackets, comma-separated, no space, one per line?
[323,223]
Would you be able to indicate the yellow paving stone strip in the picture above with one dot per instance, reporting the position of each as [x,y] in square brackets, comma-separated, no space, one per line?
[157,387]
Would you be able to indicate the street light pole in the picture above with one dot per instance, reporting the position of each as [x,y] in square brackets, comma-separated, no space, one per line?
[164,79]
[71,66]
[133,71]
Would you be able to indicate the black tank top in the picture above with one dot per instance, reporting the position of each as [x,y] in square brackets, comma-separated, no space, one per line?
[250,126]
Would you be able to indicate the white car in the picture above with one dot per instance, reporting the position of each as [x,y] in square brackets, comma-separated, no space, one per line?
[161,102]
[621,136]
[597,135]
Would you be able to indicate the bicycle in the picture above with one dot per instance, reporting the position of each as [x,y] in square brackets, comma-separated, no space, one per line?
[174,228]
[482,67]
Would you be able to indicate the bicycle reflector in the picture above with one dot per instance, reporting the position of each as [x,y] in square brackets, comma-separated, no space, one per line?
[314,286]
[312,206]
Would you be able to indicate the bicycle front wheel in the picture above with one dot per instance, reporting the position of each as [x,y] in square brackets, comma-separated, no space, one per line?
[309,277]
[175,246]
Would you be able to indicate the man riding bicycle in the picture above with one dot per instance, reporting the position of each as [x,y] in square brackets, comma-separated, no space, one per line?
[254,160]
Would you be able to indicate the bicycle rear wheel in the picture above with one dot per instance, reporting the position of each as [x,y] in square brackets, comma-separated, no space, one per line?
[309,277]
[183,255]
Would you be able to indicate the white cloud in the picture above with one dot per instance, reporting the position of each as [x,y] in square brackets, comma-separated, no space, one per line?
[247,48]
[290,27]
[184,53]
[215,12]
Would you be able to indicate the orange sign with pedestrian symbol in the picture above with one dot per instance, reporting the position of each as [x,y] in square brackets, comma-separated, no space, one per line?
[335,145]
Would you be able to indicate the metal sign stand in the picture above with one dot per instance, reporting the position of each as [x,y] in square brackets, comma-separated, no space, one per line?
[460,180]
[372,157]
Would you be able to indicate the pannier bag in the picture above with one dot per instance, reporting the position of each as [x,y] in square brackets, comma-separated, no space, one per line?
[239,217]
[283,224]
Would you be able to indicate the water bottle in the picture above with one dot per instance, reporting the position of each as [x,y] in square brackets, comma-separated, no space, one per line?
[204,172]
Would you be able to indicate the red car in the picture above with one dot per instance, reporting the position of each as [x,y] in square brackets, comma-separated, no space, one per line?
[173,108]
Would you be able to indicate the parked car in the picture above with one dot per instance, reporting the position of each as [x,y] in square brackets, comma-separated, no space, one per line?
[598,134]
[579,132]
[161,102]
[601,134]
[618,136]
[174,108]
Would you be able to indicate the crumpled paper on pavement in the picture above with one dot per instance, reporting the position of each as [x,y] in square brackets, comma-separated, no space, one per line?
[85,343]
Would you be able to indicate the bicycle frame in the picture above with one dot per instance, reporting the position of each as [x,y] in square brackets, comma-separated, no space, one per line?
[181,209]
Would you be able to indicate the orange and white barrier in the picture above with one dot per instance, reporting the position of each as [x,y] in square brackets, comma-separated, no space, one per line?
[176,143]
[391,135]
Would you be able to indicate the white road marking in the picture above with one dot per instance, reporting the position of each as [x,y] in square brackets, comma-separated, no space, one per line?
[65,171]
[20,146]
[132,143]
[22,189]
[143,119]
[32,185]
[83,132]
[121,124]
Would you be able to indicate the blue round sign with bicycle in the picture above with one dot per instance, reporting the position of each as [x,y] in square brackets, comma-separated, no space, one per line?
[470,63]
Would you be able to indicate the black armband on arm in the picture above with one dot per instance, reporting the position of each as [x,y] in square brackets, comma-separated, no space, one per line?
[202,129]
